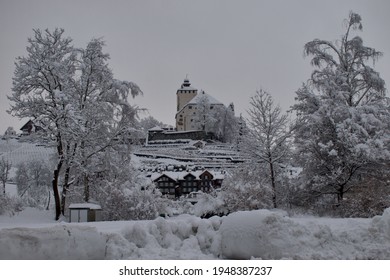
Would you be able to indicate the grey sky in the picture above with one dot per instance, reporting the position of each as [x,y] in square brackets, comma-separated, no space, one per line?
[228,48]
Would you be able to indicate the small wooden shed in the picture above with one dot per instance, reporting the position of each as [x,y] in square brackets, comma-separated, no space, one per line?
[84,212]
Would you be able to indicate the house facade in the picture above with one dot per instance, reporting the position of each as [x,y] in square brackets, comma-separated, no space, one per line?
[176,184]
[29,128]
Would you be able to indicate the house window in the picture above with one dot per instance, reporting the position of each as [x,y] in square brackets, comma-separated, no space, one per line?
[189,107]
[211,107]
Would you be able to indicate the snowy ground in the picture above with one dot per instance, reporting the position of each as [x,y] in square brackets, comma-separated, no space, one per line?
[19,152]
[32,234]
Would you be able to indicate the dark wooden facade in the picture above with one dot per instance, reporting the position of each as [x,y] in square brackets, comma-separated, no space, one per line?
[184,183]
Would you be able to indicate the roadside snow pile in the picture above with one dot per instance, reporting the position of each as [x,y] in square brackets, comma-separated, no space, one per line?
[185,237]
[59,242]
[243,235]
[271,235]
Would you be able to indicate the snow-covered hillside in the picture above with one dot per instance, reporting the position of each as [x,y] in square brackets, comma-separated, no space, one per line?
[260,234]
[18,152]
[264,234]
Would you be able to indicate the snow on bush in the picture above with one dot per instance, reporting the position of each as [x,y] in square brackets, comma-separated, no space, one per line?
[10,205]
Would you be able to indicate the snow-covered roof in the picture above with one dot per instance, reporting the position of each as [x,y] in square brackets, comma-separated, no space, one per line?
[198,98]
[186,85]
[187,88]
[156,128]
[201,96]
[85,206]
[181,174]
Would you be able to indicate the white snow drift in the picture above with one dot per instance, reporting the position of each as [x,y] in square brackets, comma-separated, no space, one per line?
[243,235]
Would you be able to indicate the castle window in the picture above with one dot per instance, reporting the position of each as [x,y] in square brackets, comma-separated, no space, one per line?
[211,107]
[189,107]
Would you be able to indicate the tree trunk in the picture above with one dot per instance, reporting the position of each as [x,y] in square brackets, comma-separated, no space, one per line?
[55,181]
[272,173]
[65,190]
[86,188]
[56,193]
[48,200]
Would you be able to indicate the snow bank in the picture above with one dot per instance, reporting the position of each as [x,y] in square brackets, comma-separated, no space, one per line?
[59,242]
[243,235]
[185,237]
[271,235]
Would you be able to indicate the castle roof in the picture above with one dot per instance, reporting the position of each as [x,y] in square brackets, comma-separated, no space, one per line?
[202,96]
[199,98]
[186,85]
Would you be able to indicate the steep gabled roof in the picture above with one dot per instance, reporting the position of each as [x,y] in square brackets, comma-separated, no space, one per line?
[200,96]
[176,176]
[27,125]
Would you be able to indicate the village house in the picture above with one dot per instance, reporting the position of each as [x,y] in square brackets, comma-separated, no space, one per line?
[176,184]
[29,128]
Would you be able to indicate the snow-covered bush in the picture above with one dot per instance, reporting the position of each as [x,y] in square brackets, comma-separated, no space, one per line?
[239,192]
[367,201]
[33,181]
[131,202]
[10,205]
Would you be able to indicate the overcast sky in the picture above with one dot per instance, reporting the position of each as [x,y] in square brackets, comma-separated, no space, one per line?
[228,48]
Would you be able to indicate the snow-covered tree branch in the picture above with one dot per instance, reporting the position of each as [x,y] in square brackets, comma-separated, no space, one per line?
[344,116]
[72,94]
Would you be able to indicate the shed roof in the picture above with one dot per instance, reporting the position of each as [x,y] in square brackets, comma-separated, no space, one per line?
[85,206]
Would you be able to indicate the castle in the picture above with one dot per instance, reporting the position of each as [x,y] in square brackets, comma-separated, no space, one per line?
[192,108]
[189,101]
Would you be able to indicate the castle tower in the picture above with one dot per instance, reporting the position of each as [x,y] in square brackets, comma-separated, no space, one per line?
[184,94]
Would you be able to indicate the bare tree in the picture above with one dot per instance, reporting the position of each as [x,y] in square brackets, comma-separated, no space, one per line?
[266,140]
[5,167]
